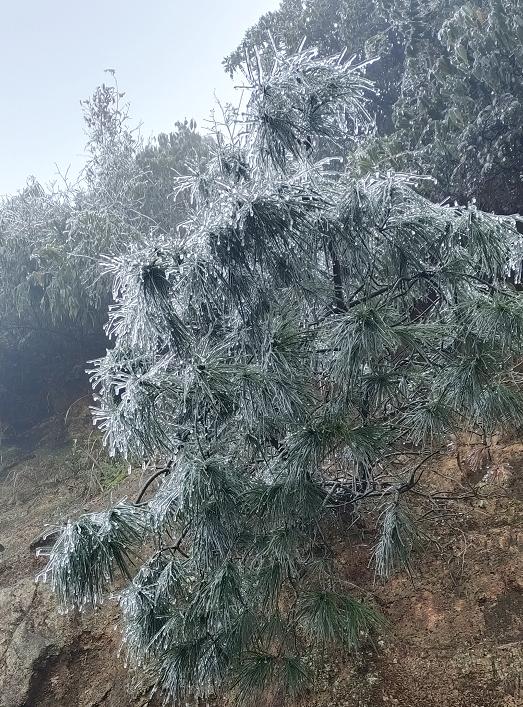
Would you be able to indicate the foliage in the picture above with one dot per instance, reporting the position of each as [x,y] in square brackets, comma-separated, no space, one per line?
[332,26]
[52,238]
[162,160]
[303,335]
[53,297]
[448,78]
[460,101]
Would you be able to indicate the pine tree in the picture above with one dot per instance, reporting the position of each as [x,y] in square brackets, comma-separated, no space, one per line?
[449,85]
[299,338]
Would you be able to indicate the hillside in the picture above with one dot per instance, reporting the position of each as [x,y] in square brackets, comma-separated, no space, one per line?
[456,630]
[272,369]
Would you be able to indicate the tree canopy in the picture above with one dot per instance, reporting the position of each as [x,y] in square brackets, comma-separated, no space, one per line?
[449,85]
[53,295]
[293,356]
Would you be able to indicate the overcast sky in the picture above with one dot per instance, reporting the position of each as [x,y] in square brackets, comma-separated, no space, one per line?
[167,55]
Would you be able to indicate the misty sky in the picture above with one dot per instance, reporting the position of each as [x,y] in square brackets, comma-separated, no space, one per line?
[167,55]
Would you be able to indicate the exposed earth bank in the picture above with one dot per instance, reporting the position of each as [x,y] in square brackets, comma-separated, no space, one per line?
[456,626]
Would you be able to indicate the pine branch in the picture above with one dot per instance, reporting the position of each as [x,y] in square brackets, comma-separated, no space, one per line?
[151,479]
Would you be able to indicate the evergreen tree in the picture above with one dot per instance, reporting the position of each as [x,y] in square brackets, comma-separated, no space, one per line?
[449,79]
[285,354]
[457,115]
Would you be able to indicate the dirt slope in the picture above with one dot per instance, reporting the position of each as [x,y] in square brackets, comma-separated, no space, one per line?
[456,627]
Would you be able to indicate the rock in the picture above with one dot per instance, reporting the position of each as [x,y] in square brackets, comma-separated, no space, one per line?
[48,659]
[25,648]
[29,654]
